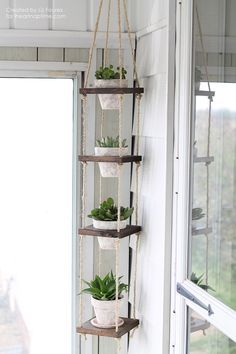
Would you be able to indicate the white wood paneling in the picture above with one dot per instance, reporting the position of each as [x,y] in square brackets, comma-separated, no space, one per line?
[4,14]
[94,5]
[75,15]
[155,106]
[150,12]
[152,53]
[28,15]
[56,39]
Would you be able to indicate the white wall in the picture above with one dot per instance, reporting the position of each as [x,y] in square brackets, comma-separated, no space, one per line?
[73,15]
[155,58]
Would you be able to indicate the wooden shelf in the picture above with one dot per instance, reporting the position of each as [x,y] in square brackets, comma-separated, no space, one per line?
[111,90]
[205,159]
[202,231]
[208,94]
[91,231]
[88,328]
[199,325]
[117,159]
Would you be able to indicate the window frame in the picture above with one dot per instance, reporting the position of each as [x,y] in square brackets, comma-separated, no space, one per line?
[224,318]
[74,71]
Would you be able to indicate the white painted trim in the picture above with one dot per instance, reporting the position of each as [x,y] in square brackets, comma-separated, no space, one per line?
[42,66]
[152,28]
[59,39]
[181,172]
[224,318]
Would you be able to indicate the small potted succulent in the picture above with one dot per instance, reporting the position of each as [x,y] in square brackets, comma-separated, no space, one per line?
[198,281]
[197,214]
[108,77]
[198,78]
[110,147]
[103,299]
[106,218]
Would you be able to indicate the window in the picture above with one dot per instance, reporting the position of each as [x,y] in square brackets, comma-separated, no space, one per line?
[36,146]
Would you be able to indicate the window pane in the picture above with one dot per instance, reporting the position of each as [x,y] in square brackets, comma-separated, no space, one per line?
[212,231]
[204,338]
[36,215]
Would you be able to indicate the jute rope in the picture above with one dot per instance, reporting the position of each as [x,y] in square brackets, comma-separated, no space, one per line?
[117,283]
[119,171]
[100,198]
[81,281]
[94,41]
[107,33]
[130,42]
[208,144]
[208,189]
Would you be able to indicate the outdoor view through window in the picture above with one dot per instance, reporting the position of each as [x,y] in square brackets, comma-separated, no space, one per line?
[213,182]
[36,215]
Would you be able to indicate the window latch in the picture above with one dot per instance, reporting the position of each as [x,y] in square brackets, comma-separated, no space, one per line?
[182,291]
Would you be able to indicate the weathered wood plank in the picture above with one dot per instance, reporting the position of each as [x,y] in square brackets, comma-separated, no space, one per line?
[15,54]
[111,90]
[50,54]
[88,328]
[117,159]
[91,231]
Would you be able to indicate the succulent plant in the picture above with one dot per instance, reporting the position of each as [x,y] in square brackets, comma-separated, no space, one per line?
[197,214]
[109,142]
[198,281]
[108,211]
[105,289]
[108,73]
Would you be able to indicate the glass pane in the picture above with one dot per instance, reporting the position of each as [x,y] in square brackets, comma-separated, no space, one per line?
[213,183]
[206,339]
[36,213]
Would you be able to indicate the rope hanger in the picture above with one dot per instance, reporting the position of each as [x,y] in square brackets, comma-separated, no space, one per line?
[208,143]
[84,143]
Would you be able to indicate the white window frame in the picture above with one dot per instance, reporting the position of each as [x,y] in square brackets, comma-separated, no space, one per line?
[31,69]
[224,318]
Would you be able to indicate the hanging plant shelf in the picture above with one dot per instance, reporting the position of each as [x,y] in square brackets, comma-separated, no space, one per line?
[117,159]
[92,231]
[111,90]
[208,94]
[199,325]
[202,231]
[88,328]
[205,159]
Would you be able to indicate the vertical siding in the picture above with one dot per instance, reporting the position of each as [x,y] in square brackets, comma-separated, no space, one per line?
[153,261]
[75,15]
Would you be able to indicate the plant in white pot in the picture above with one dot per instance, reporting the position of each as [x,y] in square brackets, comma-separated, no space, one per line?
[106,218]
[110,147]
[103,299]
[107,77]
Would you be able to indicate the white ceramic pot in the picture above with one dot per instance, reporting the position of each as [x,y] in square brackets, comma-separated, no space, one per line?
[105,311]
[109,169]
[110,101]
[108,243]
[109,225]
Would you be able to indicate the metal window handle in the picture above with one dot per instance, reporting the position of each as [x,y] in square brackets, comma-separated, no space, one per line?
[182,291]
